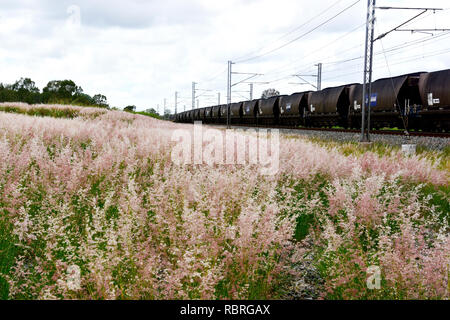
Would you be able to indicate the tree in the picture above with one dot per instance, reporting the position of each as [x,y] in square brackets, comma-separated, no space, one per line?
[151,111]
[25,90]
[7,94]
[130,109]
[270,93]
[25,84]
[83,99]
[56,91]
[100,100]
[166,114]
[61,91]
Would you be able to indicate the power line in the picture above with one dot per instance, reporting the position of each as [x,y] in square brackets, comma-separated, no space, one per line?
[397,47]
[334,4]
[391,49]
[302,35]
[314,52]
[290,32]
[401,61]
[215,76]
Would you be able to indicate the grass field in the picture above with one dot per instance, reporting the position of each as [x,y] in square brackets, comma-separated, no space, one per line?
[93,207]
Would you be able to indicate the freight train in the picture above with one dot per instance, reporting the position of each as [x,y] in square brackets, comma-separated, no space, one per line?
[419,101]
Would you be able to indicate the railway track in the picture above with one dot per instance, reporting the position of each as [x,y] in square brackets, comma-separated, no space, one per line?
[382,132]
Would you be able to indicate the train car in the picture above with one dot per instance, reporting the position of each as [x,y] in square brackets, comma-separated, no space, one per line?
[292,109]
[250,112]
[434,88]
[223,114]
[328,107]
[208,113]
[419,100]
[215,114]
[199,114]
[270,111]
[393,101]
[236,113]
[189,117]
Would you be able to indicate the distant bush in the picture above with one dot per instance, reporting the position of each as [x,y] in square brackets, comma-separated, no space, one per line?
[153,115]
[54,111]
[56,92]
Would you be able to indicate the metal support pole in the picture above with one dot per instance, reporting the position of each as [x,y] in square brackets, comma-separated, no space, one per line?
[176,101]
[368,59]
[229,94]
[369,94]
[218,98]
[198,103]
[251,91]
[164,111]
[319,76]
[193,95]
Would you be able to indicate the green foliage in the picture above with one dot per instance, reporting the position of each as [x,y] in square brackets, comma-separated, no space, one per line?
[145,113]
[8,252]
[440,199]
[42,112]
[100,100]
[270,93]
[130,109]
[61,89]
[56,92]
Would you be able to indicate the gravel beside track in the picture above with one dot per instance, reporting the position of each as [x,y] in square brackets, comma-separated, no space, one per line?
[434,143]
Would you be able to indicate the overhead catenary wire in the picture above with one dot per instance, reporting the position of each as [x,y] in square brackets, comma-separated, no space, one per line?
[301,36]
[343,62]
[215,76]
[400,61]
[404,45]
[391,49]
[394,49]
[288,33]
[399,47]
[323,59]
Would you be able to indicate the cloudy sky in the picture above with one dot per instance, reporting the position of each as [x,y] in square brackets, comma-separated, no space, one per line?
[140,52]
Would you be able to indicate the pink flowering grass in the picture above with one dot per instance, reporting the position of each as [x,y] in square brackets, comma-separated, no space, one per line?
[98,190]
[103,194]
[358,223]
[57,111]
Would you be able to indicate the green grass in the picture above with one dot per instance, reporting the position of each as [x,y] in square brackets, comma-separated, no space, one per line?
[153,115]
[440,199]
[8,253]
[45,112]
[304,191]
[439,157]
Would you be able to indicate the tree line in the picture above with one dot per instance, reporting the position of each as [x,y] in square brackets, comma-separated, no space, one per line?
[55,92]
